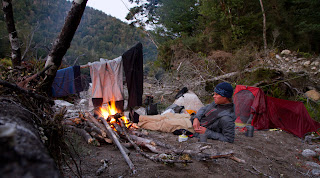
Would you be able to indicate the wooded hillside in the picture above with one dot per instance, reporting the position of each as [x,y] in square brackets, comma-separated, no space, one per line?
[99,35]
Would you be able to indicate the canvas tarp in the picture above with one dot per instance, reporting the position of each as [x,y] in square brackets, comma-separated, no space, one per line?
[268,112]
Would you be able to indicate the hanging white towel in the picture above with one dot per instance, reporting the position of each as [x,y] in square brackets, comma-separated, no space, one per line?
[107,79]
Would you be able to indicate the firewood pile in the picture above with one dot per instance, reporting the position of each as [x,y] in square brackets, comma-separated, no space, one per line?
[116,129]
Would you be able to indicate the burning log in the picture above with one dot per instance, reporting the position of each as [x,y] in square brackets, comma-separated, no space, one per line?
[121,148]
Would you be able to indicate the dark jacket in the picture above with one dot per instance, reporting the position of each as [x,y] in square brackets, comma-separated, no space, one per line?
[219,121]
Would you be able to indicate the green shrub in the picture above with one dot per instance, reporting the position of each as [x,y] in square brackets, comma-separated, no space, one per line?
[6,62]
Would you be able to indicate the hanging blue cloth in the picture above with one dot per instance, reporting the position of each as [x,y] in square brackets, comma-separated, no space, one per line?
[63,83]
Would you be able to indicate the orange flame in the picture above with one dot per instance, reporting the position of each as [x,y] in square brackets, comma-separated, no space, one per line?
[107,110]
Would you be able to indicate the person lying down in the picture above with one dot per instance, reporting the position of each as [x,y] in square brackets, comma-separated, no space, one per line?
[216,120]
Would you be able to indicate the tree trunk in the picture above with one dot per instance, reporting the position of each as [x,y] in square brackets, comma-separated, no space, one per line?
[62,43]
[22,153]
[264,29]
[13,35]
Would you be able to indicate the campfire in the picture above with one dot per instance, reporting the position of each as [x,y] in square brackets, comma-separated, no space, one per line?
[111,126]
[114,117]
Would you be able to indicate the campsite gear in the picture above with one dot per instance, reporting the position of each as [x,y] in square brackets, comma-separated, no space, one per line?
[268,112]
[134,117]
[190,101]
[166,123]
[176,108]
[202,138]
[152,109]
[167,111]
[250,130]
[148,100]
[181,92]
[183,138]
[181,131]
[189,111]
[224,89]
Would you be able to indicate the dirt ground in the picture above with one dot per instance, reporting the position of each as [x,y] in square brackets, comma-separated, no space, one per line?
[266,154]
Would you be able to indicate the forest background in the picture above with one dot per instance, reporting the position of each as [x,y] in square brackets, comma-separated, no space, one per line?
[224,36]
[198,25]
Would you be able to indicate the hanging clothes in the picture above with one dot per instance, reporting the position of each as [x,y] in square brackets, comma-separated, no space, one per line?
[133,68]
[63,83]
[107,80]
[77,79]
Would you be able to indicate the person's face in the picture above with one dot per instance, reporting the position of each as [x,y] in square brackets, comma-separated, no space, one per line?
[218,99]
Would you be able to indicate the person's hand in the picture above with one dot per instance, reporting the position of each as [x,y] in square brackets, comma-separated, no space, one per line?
[196,123]
[200,130]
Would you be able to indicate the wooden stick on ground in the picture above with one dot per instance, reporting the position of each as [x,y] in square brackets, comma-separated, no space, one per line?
[103,167]
[122,150]
[230,156]
[156,159]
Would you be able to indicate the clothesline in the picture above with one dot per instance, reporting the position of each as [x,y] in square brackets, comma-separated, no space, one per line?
[84,66]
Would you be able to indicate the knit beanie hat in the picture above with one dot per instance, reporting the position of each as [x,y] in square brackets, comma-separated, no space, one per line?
[224,89]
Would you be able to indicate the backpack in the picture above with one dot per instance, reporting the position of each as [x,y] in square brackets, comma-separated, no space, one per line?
[181,92]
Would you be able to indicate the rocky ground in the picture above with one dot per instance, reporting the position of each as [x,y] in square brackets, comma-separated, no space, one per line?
[266,154]
[269,153]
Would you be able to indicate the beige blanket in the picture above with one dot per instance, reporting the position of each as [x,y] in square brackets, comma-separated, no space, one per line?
[168,122]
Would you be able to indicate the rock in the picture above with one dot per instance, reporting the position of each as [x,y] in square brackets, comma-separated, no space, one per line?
[301,59]
[317,150]
[278,57]
[312,165]
[141,111]
[285,52]
[315,172]
[62,103]
[307,63]
[83,101]
[147,85]
[287,59]
[316,63]
[313,94]
[294,60]
[308,153]
[313,68]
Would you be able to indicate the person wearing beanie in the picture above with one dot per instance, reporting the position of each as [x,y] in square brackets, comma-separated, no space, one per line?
[216,120]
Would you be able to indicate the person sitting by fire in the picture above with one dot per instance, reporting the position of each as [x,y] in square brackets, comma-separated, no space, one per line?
[217,120]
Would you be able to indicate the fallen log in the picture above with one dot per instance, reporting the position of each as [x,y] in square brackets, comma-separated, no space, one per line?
[15,87]
[96,122]
[84,134]
[93,128]
[22,152]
